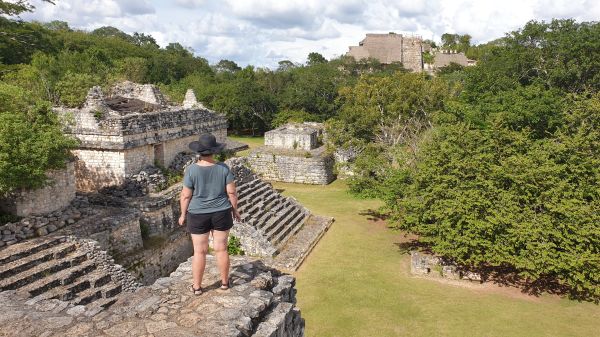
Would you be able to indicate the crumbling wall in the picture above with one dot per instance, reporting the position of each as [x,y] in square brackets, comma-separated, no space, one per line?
[57,195]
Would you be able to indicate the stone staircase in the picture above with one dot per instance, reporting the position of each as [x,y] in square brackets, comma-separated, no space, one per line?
[277,217]
[56,268]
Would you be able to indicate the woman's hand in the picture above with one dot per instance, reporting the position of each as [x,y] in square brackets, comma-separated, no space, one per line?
[181,219]
[236,215]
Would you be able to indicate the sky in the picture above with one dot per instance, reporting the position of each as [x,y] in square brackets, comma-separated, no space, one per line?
[264,32]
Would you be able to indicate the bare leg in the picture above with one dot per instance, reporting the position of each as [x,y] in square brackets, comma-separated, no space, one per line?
[220,247]
[200,242]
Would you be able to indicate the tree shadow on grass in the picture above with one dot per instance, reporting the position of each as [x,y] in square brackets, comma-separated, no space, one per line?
[374,215]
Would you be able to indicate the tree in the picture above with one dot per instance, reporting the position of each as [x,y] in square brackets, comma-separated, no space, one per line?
[57,25]
[227,66]
[144,40]
[17,7]
[499,199]
[73,87]
[315,58]
[285,65]
[31,141]
[108,31]
[312,89]
[292,116]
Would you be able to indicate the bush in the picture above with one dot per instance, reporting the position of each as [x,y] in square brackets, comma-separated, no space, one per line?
[234,246]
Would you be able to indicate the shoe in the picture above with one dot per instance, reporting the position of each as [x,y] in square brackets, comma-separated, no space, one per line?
[224,287]
[195,291]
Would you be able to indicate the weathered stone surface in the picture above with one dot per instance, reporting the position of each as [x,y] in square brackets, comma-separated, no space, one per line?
[244,310]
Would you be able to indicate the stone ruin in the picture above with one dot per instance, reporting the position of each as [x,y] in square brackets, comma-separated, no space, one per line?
[134,127]
[424,264]
[294,153]
[390,48]
[58,265]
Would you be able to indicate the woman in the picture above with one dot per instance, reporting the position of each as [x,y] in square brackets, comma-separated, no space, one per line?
[208,204]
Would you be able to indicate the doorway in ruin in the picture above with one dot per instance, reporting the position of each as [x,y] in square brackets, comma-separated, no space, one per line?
[159,154]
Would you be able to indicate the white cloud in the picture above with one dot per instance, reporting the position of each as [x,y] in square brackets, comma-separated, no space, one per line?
[263,32]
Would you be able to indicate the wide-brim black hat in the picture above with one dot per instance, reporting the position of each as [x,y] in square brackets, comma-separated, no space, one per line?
[207,144]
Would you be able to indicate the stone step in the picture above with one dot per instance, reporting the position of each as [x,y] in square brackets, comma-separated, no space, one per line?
[259,201]
[92,294]
[55,252]
[289,230]
[244,189]
[276,220]
[21,250]
[249,186]
[86,286]
[272,211]
[102,303]
[58,279]
[42,270]
[250,198]
[264,200]
[281,225]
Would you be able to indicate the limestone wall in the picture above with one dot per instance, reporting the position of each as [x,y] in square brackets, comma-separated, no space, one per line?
[96,169]
[157,213]
[412,53]
[138,158]
[121,234]
[57,195]
[312,167]
[296,139]
[173,147]
[133,130]
[150,264]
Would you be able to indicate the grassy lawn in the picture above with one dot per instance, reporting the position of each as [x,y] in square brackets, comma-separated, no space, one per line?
[253,142]
[357,282]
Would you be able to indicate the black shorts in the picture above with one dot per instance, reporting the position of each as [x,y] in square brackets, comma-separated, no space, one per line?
[204,223]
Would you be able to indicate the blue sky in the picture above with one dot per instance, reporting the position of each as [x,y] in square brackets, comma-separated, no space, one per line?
[263,32]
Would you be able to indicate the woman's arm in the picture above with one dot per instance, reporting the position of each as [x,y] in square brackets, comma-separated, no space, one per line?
[184,202]
[233,199]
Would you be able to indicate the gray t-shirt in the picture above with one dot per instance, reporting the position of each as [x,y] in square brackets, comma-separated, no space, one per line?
[208,184]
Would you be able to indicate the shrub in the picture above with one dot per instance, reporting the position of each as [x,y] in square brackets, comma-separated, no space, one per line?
[234,246]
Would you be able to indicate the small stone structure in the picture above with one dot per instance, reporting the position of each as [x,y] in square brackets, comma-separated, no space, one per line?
[132,128]
[390,48]
[443,58]
[433,266]
[58,194]
[292,153]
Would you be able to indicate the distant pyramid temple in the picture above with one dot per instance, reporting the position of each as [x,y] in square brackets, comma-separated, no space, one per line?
[390,48]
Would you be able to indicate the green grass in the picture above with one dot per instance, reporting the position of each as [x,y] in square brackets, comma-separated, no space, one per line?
[253,142]
[357,282]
